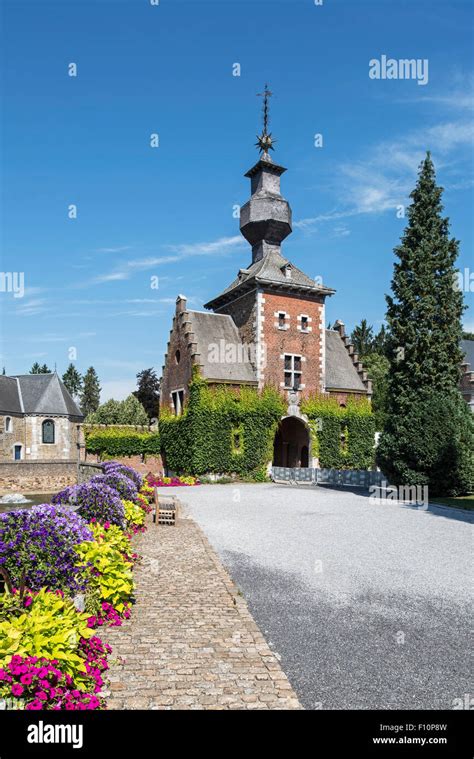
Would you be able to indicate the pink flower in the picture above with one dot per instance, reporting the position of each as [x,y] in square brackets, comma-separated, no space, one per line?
[34,705]
[27,602]
[17,689]
[26,679]
[41,695]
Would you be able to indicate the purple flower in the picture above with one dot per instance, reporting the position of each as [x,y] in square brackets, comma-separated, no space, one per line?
[122,484]
[132,474]
[97,500]
[49,533]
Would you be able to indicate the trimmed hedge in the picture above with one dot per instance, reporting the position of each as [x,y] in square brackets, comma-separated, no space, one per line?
[329,421]
[111,442]
[222,430]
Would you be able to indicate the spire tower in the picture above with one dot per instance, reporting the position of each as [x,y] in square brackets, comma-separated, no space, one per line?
[265,220]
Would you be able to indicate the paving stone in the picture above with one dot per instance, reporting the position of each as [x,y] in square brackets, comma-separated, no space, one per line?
[191,642]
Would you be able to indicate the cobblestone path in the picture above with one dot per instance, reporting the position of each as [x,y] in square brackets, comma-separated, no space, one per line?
[191,642]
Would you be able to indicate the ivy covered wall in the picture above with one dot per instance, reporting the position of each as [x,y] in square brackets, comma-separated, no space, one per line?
[222,430]
[232,431]
[341,437]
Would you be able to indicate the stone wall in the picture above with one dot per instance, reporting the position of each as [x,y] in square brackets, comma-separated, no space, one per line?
[36,476]
[27,432]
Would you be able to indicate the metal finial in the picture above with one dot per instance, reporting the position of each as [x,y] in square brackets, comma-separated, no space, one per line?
[265,141]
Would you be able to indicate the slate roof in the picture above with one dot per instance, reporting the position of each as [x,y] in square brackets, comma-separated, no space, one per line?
[467,346]
[341,373]
[36,394]
[210,329]
[269,271]
[9,396]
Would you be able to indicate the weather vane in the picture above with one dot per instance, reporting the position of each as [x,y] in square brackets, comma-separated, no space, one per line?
[264,141]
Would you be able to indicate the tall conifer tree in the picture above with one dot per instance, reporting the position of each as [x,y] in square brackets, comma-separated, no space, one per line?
[428,437]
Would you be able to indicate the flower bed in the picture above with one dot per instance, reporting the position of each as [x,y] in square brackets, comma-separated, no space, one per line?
[66,572]
[155,481]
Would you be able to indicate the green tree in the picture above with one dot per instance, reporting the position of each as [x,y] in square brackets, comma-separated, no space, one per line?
[37,369]
[468,335]
[424,320]
[107,413]
[132,411]
[129,411]
[424,313]
[148,392]
[377,367]
[90,393]
[362,338]
[379,344]
[72,380]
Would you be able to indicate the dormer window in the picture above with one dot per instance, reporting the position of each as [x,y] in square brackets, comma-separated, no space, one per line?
[288,269]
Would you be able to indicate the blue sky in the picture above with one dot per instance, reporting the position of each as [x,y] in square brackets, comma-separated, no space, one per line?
[167,212]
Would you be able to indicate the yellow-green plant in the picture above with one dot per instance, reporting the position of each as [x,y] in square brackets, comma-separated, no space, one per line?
[113,535]
[50,628]
[114,573]
[134,514]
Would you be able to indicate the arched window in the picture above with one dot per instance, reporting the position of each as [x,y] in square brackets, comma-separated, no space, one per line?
[8,424]
[48,431]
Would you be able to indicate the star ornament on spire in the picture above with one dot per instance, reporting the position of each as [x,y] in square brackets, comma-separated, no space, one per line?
[265,141]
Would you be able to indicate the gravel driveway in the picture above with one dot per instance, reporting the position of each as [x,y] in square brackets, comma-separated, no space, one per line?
[367,605]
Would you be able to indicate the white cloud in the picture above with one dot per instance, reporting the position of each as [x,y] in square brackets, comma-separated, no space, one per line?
[384,178]
[181,251]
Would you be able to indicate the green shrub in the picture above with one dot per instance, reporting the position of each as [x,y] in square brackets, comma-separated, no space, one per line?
[121,441]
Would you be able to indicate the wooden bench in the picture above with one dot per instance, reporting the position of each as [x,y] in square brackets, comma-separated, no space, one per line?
[164,514]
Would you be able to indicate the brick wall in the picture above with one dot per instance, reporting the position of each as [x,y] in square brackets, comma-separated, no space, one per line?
[278,342]
[37,476]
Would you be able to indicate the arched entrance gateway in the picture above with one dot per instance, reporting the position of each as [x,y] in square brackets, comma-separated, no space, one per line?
[291,446]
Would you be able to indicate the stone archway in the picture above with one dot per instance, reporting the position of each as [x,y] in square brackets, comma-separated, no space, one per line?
[291,445]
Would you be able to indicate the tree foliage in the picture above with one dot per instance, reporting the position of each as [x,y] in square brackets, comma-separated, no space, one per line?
[428,425]
[90,393]
[148,392]
[72,379]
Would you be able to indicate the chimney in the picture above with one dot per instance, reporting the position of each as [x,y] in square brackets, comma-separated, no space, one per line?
[180,304]
[340,327]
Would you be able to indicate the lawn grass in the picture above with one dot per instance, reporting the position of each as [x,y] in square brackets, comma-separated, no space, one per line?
[463,502]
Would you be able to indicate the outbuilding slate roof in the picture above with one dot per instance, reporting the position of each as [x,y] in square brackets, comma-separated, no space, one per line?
[36,394]
[341,373]
[210,330]
[9,396]
[269,271]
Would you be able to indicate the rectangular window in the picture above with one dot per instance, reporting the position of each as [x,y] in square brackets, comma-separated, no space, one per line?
[281,320]
[304,323]
[292,372]
[178,401]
